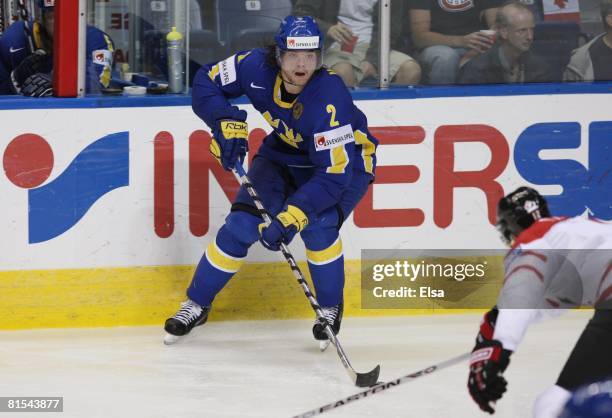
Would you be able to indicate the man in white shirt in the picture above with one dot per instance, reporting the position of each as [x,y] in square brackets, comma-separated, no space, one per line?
[352,32]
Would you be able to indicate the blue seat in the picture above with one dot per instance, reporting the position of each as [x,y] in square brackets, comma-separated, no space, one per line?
[204,46]
[249,24]
[554,42]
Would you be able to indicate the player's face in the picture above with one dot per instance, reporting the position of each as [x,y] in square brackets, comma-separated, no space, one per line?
[298,66]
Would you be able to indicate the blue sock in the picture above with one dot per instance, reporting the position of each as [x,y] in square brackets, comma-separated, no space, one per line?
[327,271]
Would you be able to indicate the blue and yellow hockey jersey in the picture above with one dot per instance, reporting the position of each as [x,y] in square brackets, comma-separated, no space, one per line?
[322,128]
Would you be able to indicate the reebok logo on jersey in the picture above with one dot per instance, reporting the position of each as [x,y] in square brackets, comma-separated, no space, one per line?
[303,42]
[334,138]
[227,69]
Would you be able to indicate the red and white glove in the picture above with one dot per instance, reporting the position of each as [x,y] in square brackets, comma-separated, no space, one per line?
[489,360]
[487,326]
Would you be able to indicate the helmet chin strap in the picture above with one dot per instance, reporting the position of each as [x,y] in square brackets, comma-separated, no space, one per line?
[293,84]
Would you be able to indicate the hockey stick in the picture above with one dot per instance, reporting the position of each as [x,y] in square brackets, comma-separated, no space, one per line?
[24,15]
[383,386]
[360,379]
[23,10]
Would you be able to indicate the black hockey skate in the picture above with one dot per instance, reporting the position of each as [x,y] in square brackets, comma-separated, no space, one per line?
[333,316]
[189,316]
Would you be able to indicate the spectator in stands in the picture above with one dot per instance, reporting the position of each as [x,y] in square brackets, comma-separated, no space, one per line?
[593,61]
[510,60]
[352,33]
[26,61]
[445,30]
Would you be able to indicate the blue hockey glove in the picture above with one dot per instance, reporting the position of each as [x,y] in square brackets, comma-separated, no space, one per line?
[229,144]
[283,228]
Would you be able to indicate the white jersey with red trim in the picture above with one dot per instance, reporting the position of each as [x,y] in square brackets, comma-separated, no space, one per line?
[556,263]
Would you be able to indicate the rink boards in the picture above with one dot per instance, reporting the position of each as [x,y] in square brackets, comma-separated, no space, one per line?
[105,211]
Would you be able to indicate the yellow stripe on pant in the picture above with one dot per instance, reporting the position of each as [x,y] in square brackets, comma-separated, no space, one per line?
[221,260]
[329,254]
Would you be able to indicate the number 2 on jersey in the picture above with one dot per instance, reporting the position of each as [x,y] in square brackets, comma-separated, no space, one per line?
[332,109]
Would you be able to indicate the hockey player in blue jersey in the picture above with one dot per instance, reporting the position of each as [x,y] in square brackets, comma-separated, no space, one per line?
[26,61]
[310,172]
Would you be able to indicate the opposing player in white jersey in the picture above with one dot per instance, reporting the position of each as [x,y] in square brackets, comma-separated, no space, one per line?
[554,263]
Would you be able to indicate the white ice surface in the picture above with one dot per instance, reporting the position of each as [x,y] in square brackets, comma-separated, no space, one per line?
[271,368]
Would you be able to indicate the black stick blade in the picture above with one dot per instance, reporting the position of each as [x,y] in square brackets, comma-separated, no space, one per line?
[365,380]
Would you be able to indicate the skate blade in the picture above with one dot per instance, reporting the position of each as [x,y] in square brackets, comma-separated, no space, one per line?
[324,344]
[170,339]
